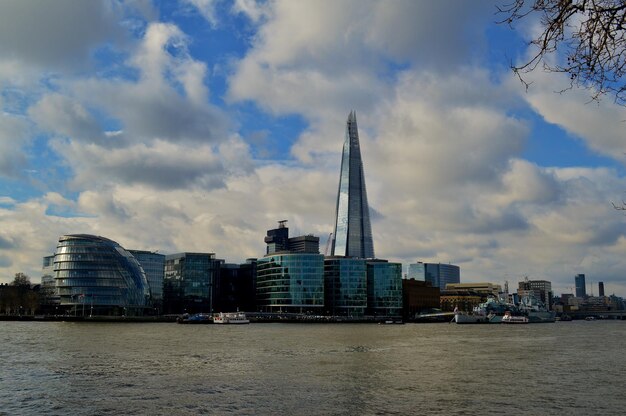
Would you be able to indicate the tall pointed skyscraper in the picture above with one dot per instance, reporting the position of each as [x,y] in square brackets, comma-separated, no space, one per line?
[353,231]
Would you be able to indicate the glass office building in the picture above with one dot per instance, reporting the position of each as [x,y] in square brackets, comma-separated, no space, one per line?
[352,235]
[153,264]
[291,282]
[345,286]
[439,275]
[97,276]
[384,288]
[581,287]
[188,282]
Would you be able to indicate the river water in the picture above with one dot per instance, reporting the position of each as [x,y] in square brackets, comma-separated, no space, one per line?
[59,368]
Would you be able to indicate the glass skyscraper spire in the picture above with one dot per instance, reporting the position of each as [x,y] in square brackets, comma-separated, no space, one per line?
[353,231]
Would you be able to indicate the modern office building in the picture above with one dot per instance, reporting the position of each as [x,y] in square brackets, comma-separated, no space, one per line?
[153,264]
[352,235]
[278,241]
[188,282]
[417,271]
[384,288]
[345,286]
[439,275]
[600,289]
[304,244]
[291,283]
[96,276]
[581,290]
[235,287]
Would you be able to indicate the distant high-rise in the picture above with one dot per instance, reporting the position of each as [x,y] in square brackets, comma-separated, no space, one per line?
[600,289]
[353,231]
[581,290]
[439,275]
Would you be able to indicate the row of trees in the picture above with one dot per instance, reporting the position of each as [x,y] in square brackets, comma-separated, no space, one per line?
[20,297]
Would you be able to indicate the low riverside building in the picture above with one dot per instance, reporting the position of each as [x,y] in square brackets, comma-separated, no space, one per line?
[464,300]
[417,297]
[485,289]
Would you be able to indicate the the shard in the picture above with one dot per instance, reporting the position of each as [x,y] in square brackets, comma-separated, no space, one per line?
[353,232]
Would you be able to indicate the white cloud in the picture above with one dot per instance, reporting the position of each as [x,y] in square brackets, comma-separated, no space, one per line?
[60,34]
[14,137]
[206,8]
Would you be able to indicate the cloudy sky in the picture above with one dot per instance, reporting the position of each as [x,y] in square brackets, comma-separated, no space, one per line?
[195,126]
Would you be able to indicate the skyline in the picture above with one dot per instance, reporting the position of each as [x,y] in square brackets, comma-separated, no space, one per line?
[195,125]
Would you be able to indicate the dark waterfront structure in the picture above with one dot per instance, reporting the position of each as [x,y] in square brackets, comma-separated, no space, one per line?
[384,288]
[235,288]
[188,282]
[601,289]
[581,290]
[96,276]
[418,296]
[153,264]
[439,275]
[352,236]
[345,286]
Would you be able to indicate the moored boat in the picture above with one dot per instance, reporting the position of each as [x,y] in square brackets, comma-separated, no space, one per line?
[514,319]
[198,318]
[231,318]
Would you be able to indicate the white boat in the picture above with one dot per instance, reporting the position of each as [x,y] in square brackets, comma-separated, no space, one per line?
[231,318]
[513,319]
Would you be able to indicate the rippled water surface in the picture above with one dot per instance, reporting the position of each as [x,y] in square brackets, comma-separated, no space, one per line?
[312,369]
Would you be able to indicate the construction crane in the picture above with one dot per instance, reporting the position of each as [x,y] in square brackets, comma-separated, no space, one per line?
[330,237]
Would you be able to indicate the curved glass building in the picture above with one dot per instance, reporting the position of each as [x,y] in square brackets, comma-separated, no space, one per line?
[97,276]
[291,282]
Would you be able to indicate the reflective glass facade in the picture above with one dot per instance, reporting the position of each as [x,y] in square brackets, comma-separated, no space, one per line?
[345,285]
[96,276]
[353,232]
[384,288]
[189,281]
[439,275]
[291,282]
[581,287]
[416,271]
[153,264]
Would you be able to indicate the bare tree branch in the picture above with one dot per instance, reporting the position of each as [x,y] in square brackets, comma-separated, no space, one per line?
[591,36]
